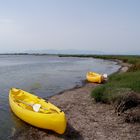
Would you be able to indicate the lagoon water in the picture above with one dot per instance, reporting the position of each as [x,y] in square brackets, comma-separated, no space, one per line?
[43,75]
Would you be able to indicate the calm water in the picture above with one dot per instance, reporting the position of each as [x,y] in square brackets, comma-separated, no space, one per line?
[44,76]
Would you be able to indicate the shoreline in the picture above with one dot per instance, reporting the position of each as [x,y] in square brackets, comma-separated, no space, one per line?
[123,68]
[73,96]
[86,119]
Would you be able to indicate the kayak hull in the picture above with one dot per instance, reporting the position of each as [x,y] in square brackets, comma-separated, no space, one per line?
[52,120]
[94,77]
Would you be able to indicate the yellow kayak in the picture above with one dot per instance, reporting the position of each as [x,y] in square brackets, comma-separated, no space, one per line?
[36,111]
[94,77]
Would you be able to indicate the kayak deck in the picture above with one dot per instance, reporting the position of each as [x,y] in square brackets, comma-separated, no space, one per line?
[29,100]
[48,117]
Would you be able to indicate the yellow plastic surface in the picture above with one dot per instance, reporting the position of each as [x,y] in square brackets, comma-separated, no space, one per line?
[94,77]
[49,116]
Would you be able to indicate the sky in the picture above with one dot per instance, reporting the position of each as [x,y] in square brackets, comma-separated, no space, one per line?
[110,26]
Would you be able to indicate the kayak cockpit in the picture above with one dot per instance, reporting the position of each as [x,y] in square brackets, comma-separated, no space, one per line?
[27,101]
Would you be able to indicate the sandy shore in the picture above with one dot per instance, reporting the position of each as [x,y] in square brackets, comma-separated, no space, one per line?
[87,120]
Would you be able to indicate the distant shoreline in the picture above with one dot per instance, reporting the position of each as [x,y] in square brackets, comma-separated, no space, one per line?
[69,55]
[26,54]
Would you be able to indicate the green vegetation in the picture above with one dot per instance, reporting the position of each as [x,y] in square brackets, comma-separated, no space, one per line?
[119,84]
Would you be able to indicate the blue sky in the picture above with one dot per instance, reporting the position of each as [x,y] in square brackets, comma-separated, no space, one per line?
[111,26]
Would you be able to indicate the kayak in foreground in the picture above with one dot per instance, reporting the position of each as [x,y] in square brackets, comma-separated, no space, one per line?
[95,77]
[36,111]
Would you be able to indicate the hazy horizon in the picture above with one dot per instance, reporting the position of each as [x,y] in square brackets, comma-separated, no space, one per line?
[111,27]
[69,52]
